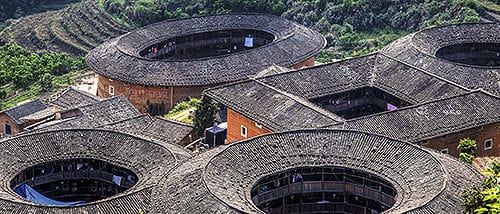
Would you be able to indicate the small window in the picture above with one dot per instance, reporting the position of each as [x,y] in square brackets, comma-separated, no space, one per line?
[111,90]
[7,130]
[243,131]
[444,151]
[258,125]
[488,144]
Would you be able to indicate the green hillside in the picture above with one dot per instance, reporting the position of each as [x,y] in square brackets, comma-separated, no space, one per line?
[74,30]
[351,27]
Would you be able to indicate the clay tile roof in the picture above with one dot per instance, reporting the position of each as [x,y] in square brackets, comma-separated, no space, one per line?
[281,101]
[293,43]
[25,109]
[432,119]
[103,112]
[374,70]
[275,109]
[72,98]
[419,49]
[148,160]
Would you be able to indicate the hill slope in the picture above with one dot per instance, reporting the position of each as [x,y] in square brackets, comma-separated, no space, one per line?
[74,30]
[352,27]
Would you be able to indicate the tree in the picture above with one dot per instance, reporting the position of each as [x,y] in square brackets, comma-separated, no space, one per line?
[467,149]
[487,199]
[204,115]
[46,81]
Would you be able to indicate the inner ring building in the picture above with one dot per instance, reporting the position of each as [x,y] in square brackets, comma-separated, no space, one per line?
[159,65]
[318,171]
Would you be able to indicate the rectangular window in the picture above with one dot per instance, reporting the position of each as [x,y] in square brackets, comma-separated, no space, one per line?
[7,130]
[111,90]
[488,144]
[243,131]
[444,151]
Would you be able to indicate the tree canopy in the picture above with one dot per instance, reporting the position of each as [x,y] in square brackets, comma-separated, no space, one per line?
[467,148]
[204,116]
[23,68]
[485,199]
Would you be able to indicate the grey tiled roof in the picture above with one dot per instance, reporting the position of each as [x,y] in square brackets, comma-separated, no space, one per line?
[39,115]
[117,114]
[280,101]
[148,160]
[25,109]
[72,98]
[119,58]
[272,108]
[325,79]
[426,181]
[419,49]
[162,131]
[432,119]
[375,70]
[107,111]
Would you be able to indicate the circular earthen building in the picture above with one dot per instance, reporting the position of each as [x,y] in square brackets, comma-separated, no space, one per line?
[162,64]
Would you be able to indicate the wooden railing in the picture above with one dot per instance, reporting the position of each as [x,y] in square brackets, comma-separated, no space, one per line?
[324,186]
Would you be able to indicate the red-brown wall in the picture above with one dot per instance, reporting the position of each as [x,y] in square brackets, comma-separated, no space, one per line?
[234,123]
[480,134]
[4,119]
[140,95]
[307,63]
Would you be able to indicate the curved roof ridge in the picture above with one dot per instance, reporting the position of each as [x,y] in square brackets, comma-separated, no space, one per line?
[113,59]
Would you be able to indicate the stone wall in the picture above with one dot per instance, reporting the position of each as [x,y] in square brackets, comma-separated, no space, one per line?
[234,123]
[480,134]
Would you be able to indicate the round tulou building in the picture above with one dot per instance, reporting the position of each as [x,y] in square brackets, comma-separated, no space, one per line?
[81,171]
[304,171]
[319,171]
[159,65]
[467,54]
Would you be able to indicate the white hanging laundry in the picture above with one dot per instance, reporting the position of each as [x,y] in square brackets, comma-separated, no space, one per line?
[117,180]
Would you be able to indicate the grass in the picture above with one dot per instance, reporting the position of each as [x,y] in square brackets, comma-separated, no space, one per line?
[32,93]
[181,111]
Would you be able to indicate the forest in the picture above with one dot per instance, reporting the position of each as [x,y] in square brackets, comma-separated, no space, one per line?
[30,73]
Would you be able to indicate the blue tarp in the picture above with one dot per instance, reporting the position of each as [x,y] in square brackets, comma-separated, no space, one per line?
[32,195]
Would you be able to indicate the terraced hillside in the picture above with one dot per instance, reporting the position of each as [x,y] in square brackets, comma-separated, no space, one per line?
[74,30]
